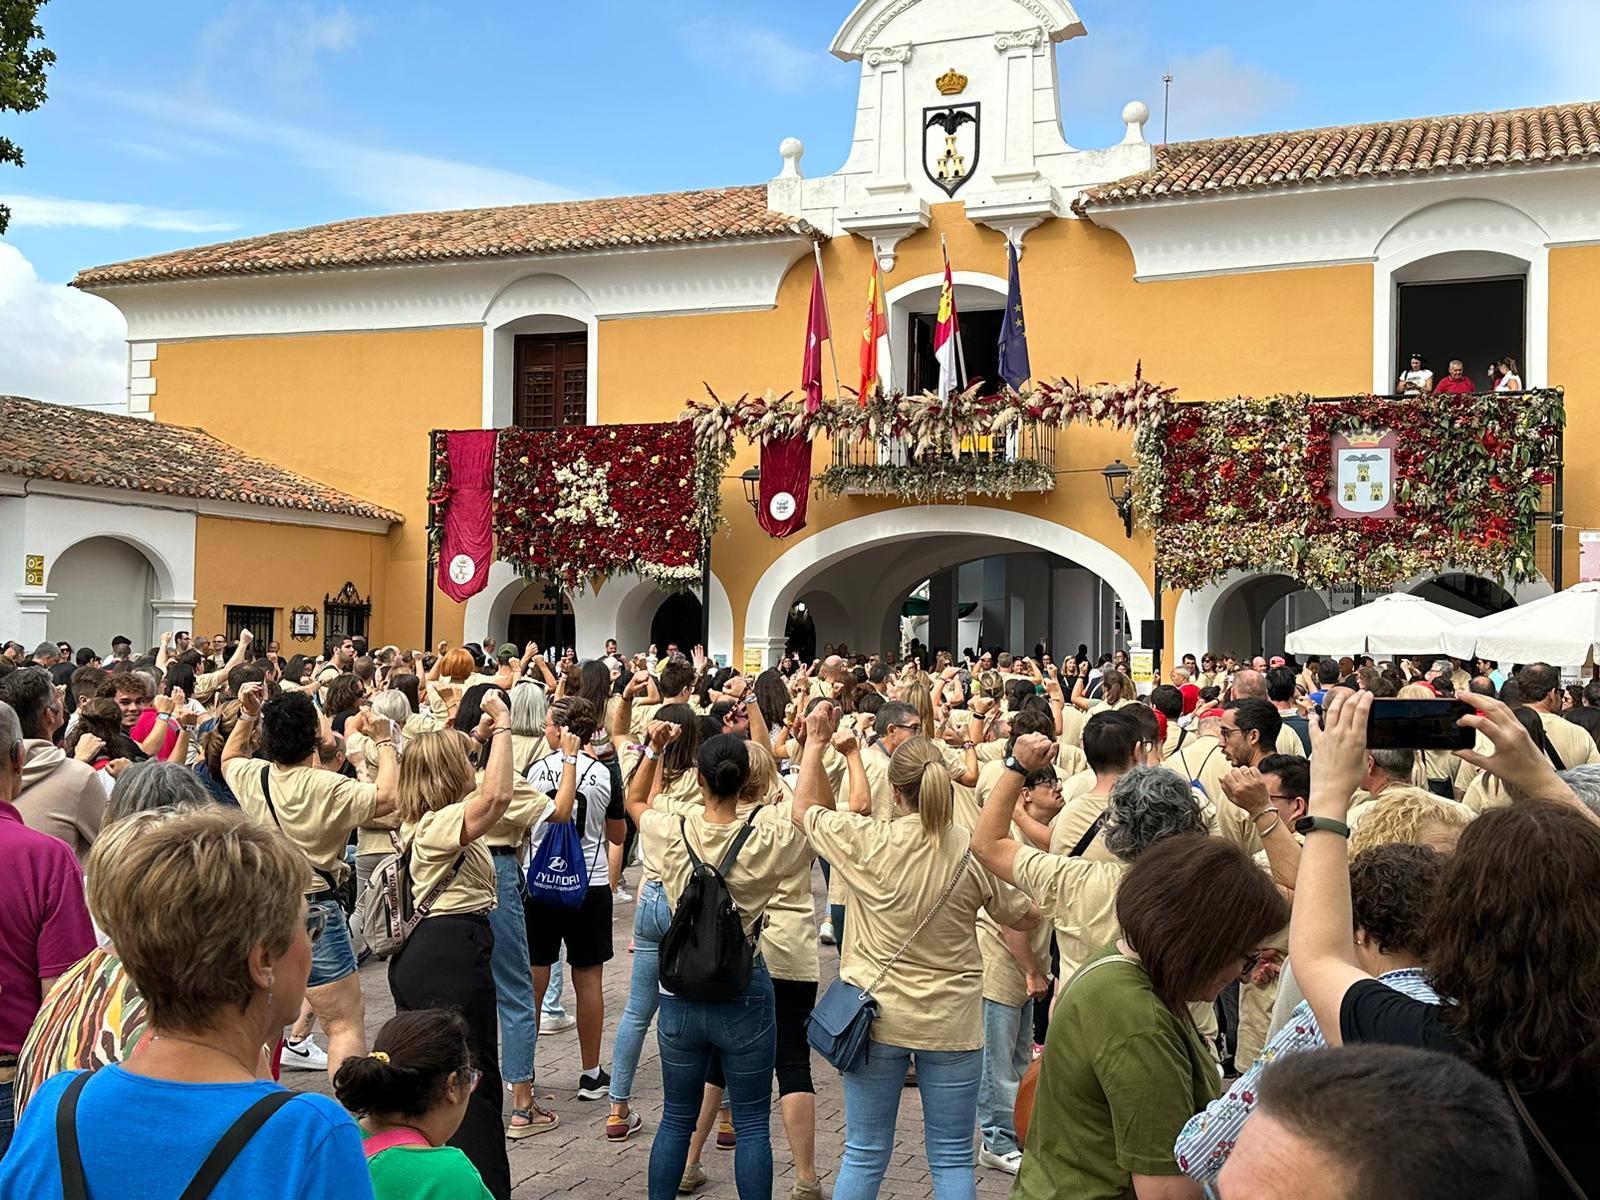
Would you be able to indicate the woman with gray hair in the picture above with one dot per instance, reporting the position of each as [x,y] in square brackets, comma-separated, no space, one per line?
[528,705]
[1147,805]
[152,785]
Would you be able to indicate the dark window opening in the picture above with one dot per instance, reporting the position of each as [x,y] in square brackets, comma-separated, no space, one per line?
[980,349]
[258,621]
[1478,321]
[677,622]
[551,387]
[345,615]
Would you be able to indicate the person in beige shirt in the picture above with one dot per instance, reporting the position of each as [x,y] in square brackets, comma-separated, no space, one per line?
[754,856]
[912,944]
[316,810]
[447,810]
[61,796]
[1252,685]
[1110,743]
[1016,978]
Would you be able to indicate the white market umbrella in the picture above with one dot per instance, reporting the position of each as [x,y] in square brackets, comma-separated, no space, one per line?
[1561,629]
[1391,624]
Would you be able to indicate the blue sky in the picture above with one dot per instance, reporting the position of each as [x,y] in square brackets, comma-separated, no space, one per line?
[181,123]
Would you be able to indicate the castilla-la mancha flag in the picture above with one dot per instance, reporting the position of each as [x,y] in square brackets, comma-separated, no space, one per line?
[467,549]
[946,352]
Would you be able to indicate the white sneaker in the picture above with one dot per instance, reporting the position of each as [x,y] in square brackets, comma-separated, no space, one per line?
[549,1024]
[304,1055]
[825,934]
[1009,1163]
[622,894]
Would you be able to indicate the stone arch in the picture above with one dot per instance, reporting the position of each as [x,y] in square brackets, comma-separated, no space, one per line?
[974,289]
[794,571]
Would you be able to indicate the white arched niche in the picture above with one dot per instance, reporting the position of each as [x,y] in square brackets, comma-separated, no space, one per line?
[541,303]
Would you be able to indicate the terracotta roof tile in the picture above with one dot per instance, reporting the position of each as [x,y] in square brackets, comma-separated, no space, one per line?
[76,445]
[665,219]
[1345,153]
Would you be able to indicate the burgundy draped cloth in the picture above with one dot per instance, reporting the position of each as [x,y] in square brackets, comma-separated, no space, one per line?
[785,483]
[467,548]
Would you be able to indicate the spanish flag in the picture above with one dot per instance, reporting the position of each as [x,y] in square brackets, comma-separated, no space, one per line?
[874,337]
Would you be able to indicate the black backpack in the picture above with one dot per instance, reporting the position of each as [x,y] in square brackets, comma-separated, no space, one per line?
[706,954]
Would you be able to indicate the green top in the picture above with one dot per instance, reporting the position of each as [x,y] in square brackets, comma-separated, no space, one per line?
[408,1173]
[1121,1074]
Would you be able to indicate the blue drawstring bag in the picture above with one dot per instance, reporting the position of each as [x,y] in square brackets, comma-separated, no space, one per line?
[558,875]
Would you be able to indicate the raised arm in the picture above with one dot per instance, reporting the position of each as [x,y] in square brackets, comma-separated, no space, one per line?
[860,792]
[812,790]
[164,652]
[992,842]
[1247,788]
[643,782]
[251,696]
[387,777]
[493,795]
[1320,944]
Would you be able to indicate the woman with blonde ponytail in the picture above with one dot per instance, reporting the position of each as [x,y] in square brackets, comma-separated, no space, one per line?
[912,944]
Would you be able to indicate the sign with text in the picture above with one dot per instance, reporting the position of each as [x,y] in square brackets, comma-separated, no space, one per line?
[1142,666]
[1363,474]
[752,662]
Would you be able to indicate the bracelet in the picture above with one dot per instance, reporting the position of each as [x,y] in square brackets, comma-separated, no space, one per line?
[498,730]
[570,759]
[1265,812]
[969,744]
[384,742]
[1262,833]
[651,753]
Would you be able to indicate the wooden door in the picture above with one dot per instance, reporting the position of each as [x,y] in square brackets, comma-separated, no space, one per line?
[552,380]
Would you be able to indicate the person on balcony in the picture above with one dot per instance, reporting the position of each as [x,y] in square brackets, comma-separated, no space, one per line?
[1417,380]
[1509,380]
[1457,383]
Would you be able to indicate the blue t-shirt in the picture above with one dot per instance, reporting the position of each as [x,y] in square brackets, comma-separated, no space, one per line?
[144,1137]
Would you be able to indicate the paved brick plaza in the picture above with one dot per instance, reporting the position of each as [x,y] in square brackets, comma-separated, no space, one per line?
[575,1160]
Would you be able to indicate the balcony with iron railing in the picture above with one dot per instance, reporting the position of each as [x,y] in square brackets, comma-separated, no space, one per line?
[1020,459]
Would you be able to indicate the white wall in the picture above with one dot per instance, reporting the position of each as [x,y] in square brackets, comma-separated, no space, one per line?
[103,588]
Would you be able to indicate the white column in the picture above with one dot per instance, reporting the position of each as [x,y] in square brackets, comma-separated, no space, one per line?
[33,615]
[171,615]
[769,649]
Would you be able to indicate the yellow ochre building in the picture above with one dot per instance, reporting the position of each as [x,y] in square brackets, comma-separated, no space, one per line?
[1313,261]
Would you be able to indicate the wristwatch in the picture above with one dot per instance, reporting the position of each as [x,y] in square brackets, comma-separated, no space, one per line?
[1307,825]
[1011,764]
[570,758]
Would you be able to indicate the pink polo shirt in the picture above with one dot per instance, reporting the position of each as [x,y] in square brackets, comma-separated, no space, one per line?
[44,922]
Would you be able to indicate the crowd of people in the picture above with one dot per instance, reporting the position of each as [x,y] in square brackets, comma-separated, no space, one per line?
[1191,938]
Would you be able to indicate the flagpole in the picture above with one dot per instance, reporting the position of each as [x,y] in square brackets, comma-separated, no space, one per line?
[961,358]
[833,349]
[888,344]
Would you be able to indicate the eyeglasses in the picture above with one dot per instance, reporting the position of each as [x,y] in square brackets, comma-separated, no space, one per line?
[1227,730]
[1251,962]
[912,726]
[316,922]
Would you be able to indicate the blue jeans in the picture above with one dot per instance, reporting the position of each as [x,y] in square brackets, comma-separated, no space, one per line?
[552,993]
[333,956]
[948,1081]
[1007,1051]
[8,1116]
[651,916]
[745,1032]
[513,981]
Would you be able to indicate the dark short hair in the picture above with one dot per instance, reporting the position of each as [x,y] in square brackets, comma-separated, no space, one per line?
[1328,672]
[574,714]
[1258,715]
[1538,680]
[1109,739]
[867,702]
[131,683]
[1167,700]
[86,655]
[1280,685]
[1406,1124]
[289,728]
[894,712]
[1190,905]
[1292,771]
[675,677]
[1392,889]
[30,691]
[1031,720]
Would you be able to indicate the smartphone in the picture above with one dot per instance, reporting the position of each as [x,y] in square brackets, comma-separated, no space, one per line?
[1419,725]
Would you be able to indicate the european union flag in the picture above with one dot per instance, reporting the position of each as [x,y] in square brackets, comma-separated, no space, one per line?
[1014,368]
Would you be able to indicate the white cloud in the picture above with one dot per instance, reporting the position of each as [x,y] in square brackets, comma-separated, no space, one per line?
[277,46]
[1214,94]
[54,212]
[57,343]
[389,180]
[755,53]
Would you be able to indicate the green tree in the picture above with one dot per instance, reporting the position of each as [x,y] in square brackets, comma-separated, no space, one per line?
[23,61]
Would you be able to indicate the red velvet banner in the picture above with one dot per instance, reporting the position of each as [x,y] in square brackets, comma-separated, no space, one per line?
[785,484]
[467,548]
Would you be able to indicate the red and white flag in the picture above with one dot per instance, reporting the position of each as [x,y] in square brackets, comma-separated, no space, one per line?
[816,334]
[945,350]
[874,337]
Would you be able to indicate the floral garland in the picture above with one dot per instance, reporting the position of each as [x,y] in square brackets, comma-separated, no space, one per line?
[592,500]
[941,478]
[1243,484]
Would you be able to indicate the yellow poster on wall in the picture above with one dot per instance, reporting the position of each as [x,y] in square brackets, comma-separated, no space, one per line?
[752,661]
[1142,666]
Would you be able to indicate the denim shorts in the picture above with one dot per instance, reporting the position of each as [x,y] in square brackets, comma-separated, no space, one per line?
[333,957]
